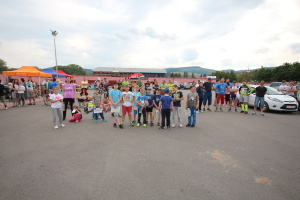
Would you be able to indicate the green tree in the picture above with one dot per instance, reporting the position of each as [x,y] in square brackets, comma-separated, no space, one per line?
[172,74]
[72,69]
[3,66]
[193,75]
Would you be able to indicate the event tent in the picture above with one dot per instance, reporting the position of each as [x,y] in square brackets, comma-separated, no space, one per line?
[27,71]
[54,74]
[137,75]
[63,73]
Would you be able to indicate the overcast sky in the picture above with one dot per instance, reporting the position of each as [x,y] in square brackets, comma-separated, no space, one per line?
[216,34]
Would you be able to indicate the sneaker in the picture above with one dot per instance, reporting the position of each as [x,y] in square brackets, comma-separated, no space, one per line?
[33,104]
[173,125]
[133,121]
[96,120]
[151,124]
[193,125]
[235,110]
[180,125]
[138,124]
[168,127]
[242,111]
[197,112]
[115,125]
[6,108]
[262,114]
[131,124]
[203,109]
[62,125]
[144,125]
[209,109]
[221,110]
[254,113]
[158,124]
[229,110]
[246,112]
[55,127]
[30,104]
[161,128]
[188,125]
[104,120]
[121,126]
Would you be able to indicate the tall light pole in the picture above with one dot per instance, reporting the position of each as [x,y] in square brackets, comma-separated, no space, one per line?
[54,33]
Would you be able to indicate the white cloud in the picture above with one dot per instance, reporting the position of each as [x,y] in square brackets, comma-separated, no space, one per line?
[160,33]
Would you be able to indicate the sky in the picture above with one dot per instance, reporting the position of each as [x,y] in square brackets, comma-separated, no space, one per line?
[214,34]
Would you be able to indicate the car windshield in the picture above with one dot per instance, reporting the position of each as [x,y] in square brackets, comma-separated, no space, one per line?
[272,91]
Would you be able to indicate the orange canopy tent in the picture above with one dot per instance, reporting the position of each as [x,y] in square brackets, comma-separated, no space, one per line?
[27,71]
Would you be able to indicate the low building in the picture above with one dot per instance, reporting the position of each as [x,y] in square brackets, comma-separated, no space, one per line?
[119,71]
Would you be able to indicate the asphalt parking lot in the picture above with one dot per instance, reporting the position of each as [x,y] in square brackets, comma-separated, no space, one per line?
[226,156]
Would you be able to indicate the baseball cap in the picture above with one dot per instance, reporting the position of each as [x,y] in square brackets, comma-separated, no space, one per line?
[167,90]
[234,81]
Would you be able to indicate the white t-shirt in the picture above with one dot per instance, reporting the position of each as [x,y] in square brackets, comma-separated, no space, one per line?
[127,97]
[57,104]
[21,89]
[30,85]
[283,87]
[291,88]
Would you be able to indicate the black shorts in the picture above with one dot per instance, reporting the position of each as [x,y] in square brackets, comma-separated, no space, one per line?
[227,97]
[149,110]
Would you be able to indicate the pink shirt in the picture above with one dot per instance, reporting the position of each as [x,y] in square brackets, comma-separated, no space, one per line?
[68,90]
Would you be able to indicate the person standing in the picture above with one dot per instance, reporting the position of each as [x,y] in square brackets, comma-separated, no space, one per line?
[21,95]
[233,90]
[142,104]
[156,99]
[227,93]
[30,91]
[115,97]
[53,84]
[199,90]
[136,94]
[166,106]
[214,88]
[2,95]
[221,90]
[68,91]
[244,91]
[260,92]
[177,98]
[105,85]
[283,87]
[139,83]
[192,105]
[291,89]
[127,98]
[56,106]
[207,96]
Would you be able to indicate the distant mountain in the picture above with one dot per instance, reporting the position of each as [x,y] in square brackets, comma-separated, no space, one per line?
[192,69]
[88,71]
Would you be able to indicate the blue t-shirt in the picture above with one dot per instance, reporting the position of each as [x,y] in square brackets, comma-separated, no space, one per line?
[221,88]
[150,99]
[52,85]
[207,86]
[141,100]
[166,102]
[115,94]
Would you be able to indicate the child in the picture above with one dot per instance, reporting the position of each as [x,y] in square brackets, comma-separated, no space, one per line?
[21,96]
[166,105]
[177,98]
[115,97]
[192,104]
[156,106]
[142,104]
[105,104]
[89,107]
[136,94]
[56,106]
[128,99]
[97,104]
[149,107]
[77,116]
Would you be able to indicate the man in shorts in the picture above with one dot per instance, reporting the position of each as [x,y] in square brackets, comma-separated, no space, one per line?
[244,91]
[115,97]
[221,90]
[2,95]
[233,90]
[127,98]
[149,108]
[30,91]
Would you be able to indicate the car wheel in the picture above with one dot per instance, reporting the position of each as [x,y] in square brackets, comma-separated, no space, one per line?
[266,107]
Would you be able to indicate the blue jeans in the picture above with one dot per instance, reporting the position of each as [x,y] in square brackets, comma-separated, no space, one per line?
[207,97]
[192,118]
[261,101]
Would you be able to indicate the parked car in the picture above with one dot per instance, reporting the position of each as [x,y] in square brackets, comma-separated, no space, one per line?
[187,86]
[274,100]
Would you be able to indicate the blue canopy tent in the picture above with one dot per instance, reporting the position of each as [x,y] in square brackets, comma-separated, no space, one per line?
[54,74]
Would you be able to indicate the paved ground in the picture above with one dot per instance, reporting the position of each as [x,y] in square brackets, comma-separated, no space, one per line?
[227,156]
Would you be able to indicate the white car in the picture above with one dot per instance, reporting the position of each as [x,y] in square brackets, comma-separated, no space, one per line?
[274,100]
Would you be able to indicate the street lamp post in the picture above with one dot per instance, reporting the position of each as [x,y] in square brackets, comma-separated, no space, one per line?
[54,33]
